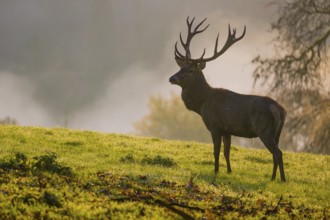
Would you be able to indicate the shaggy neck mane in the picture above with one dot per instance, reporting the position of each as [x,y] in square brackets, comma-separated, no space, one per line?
[195,95]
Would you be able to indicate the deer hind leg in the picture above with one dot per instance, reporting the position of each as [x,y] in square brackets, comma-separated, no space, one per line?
[279,152]
[227,143]
[216,138]
[278,156]
[274,167]
[271,145]
[279,160]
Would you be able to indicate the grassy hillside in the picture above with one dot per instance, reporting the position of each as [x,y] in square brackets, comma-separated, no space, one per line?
[61,173]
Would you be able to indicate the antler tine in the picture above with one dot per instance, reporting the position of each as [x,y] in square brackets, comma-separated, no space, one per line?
[243,34]
[229,31]
[196,31]
[234,32]
[191,33]
[202,54]
[216,44]
[177,53]
[231,39]
[182,42]
[189,23]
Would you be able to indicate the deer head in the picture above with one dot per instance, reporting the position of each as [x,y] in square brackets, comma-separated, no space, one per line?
[191,69]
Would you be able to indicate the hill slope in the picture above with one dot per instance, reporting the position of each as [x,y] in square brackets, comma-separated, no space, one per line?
[62,173]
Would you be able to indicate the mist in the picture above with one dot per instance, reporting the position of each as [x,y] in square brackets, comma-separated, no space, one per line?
[93,64]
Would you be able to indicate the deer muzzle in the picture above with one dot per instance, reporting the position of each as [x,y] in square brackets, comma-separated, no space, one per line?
[174,79]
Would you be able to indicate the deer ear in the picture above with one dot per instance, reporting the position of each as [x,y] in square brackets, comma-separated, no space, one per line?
[180,61]
[202,65]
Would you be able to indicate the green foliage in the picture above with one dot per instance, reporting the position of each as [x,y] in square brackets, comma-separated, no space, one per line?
[51,199]
[126,177]
[40,164]
[147,160]
[48,163]
[169,118]
[16,163]
[159,160]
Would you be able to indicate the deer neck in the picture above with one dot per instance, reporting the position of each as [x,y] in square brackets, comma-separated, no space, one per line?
[196,94]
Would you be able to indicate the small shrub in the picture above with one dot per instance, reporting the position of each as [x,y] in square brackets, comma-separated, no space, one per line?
[44,163]
[52,200]
[74,143]
[19,162]
[48,163]
[129,158]
[159,160]
[30,199]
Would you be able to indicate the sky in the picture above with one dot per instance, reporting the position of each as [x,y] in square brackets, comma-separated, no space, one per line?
[92,65]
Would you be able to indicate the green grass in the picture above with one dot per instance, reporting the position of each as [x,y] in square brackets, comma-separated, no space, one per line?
[67,174]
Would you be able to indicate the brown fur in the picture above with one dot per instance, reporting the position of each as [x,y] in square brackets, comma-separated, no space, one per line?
[227,113]
[224,112]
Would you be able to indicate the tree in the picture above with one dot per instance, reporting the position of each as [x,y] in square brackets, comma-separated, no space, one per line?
[169,118]
[8,121]
[298,75]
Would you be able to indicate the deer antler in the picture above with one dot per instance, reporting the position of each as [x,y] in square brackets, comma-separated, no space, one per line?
[190,35]
[231,39]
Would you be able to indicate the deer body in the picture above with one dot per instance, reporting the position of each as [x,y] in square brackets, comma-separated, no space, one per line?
[236,114]
[224,112]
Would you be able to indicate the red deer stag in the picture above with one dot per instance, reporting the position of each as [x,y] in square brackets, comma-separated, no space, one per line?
[224,112]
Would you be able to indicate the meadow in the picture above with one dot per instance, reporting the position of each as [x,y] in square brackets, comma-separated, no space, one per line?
[56,173]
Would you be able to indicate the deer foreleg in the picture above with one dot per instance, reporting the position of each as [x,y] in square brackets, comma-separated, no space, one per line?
[216,150]
[227,143]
